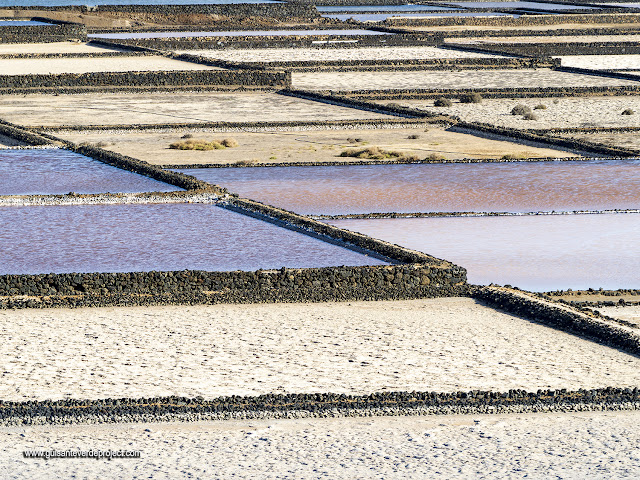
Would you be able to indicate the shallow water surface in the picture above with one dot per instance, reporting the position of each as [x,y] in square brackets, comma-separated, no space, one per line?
[20,23]
[378,17]
[513,187]
[129,238]
[537,253]
[380,8]
[57,171]
[238,33]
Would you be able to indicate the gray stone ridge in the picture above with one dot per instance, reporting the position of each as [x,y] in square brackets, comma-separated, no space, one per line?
[175,408]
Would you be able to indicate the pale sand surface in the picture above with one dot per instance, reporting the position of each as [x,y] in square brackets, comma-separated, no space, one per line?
[594,445]
[601,62]
[304,146]
[139,63]
[55,47]
[568,112]
[630,313]
[187,107]
[451,80]
[448,344]
[328,54]
[549,39]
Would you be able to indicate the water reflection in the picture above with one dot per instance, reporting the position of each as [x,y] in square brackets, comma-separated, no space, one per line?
[126,238]
[514,187]
[537,253]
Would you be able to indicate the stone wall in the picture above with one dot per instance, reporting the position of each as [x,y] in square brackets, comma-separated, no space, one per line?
[199,287]
[292,405]
[559,317]
[42,33]
[126,80]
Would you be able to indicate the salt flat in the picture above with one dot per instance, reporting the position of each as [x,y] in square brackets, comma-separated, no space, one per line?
[594,445]
[450,80]
[601,62]
[304,144]
[179,107]
[137,63]
[629,313]
[268,55]
[54,47]
[565,112]
[447,344]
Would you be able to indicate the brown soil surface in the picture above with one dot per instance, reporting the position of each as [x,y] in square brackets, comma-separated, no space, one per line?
[305,146]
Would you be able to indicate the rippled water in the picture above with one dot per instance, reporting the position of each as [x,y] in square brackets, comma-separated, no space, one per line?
[27,172]
[537,253]
[514,187]
[126,238]
[239,33]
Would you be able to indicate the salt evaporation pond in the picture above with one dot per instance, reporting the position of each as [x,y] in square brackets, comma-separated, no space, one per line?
[381,8]
[238,33]
[537,253]
[379,17]
[20,23]
[57,171]
[134,237]
[479,187]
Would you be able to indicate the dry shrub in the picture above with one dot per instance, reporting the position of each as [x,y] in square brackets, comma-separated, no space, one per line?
[628,111]
[471,98]
[413,136]
[375,153]
[442,102]
[199,144]
[520,110]
[541,106]
[530,116]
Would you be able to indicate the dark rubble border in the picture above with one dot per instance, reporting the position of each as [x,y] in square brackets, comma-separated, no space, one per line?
[176,408]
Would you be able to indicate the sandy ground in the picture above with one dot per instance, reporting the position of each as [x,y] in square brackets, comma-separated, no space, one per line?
[622,139]
[630,313]
[594,445]
[307,146]
[54,47]
[327,54]
[139,63]
[568,112]
[550,39]
[448,80]
[448,344]
[601,62]
[189,107]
